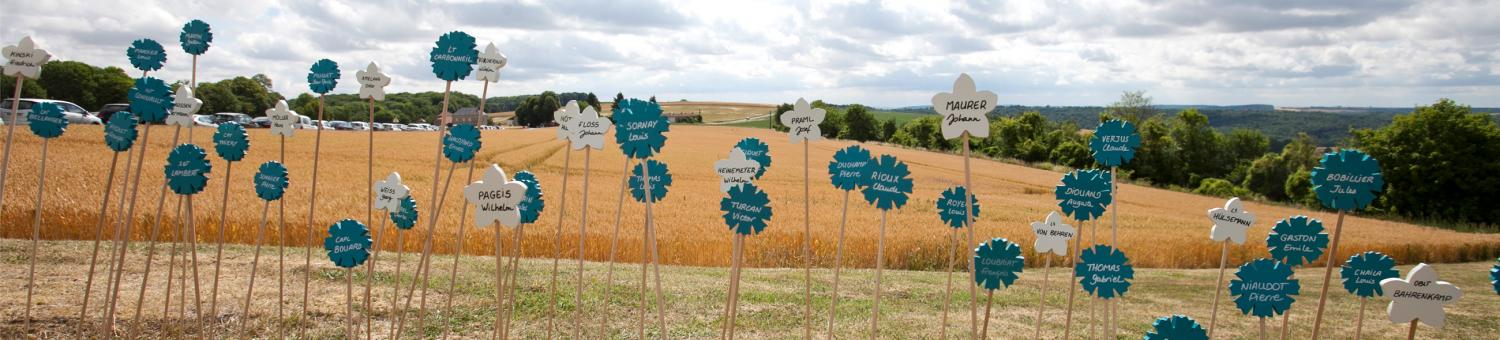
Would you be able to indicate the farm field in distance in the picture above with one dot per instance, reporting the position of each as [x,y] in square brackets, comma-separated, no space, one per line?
[1157,228]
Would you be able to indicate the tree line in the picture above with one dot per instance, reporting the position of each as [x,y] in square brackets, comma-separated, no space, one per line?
[1439,161]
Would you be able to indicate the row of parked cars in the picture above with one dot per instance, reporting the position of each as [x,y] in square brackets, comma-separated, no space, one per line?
[77,115]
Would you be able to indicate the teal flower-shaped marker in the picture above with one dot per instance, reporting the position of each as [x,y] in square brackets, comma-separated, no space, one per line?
[746,210]
[47,120]
[461,143]
[348,243]
[534,202]
[323,76]
[1105,271]
[230,141]
[889,183]
[1114,143]
[1084,194]
[1495,277]
[146,55]
[406,216]
[454,56]
[997,262]
[850,168]
[151,99]
[757,151]
[187,169]
[950,206]
[661,180]
[1347,180]
[119,132]
[639,128]
[1176,327]
[1297,240]
[195,37]
[1363,272]
[271,181]
[1264,288]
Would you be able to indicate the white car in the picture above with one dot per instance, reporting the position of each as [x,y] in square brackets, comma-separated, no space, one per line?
[204,121]
[74,113]
[359,126]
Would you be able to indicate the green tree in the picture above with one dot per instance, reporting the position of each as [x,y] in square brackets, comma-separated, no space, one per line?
[1157,159]
[29,89]
[1073,154]
[1298,189]
[1219,188]
[1440,161]
[1199,147]
[860,125]
[1133,106]
[776,117]
[83,84]
[887,129]
[594,101]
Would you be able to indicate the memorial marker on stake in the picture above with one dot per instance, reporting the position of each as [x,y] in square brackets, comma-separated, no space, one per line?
[950,208]
[746,210]
[802,126]
[1052,236]
[270,183]
[372,85]
[1176,327]
[150,99]
[22,60]
[531,208]
[348,246]
[1344,180]
[1296,241]
[1362,275]
[964,115]
[639,130]
[996,262]
[587,133]
[849,170]
[564,119]
[461,144]
[1230,223]
[119,135]
[1419,297]
[1113,144]
[186,174]
[888,187]
[231,144]
[1083,195]
[322,78]
[1263,289]
[46,121]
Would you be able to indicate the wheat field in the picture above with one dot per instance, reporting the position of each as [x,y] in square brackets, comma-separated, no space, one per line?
[1157,228]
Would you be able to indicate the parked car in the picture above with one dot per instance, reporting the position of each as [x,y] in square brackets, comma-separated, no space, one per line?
[326,125]
[340,125]
[307,123]
[204,121]
[359,126]
[74,113]
[231,117]
[423,127]
[260,122]
[396,127]
[109,110]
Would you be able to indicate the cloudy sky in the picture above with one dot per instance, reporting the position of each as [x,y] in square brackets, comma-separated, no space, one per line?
[889,54]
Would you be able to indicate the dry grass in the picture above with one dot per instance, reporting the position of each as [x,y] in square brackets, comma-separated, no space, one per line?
[1158,228]
[770,304]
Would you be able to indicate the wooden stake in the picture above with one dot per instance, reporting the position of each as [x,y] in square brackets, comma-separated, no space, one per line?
[129,220]
[281,257]
[109,185]
[879,267]
[458,252]
[422,274]
[151,243]
[661,303]
[1333,250]
[1286,317]
[437,209]
[583,223]
[396,286]
[562,210]
[1218,289]
[312,207]
[969,222]
[1359,323]
[807,239]
[349,302]
[510,286]
[948,291]
[192,238]
[370,276]
[260,236]
[609,273]
[36,228]
[213,300]
[1072,280]
[1411,332]
[990,302]
[1042,295]
[119,235]
[838,265]
[1262,328]
[499,277]
[10,131]
[737,264]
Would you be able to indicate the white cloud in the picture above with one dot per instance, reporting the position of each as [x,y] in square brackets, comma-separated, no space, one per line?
[895,53]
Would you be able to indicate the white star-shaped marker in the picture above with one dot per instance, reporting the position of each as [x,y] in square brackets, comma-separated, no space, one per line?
[588,129]
[283,120]
[24,59]
[1420,296]
[802,121]
[489,64]
[564,118]
[735,170]
[389,192]
[496,198]
[183,107]
[1052,235]
[372,82]
[1230,222]
[964,109]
